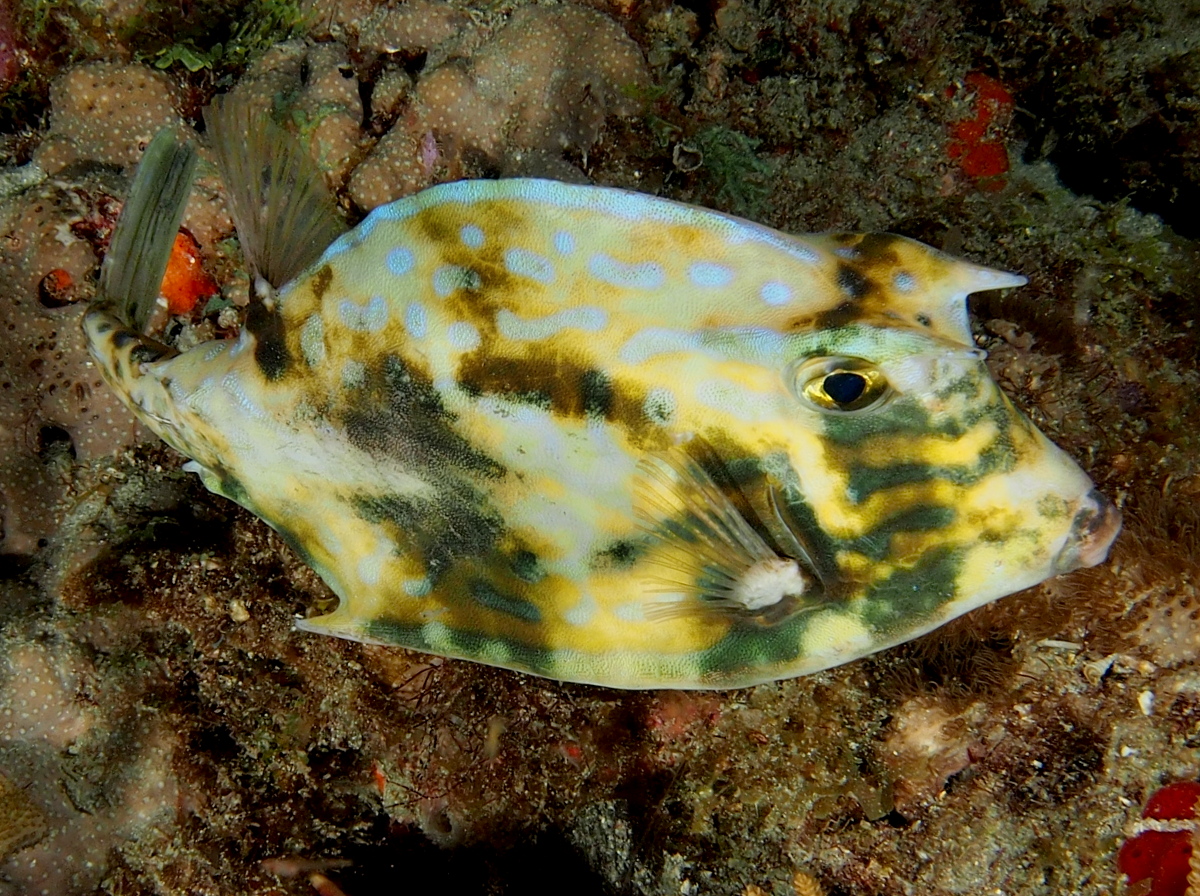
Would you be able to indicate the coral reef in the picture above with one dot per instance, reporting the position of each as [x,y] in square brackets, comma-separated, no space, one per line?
[163,729]
[315,86]
[54,408]
[106,113]
[544,83]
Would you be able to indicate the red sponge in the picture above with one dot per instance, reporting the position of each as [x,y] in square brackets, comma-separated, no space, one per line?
[1161,850]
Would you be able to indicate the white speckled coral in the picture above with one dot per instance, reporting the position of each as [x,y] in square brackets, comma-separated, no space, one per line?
[324,103]
[106,112]
[48,383]
[545,82]
[57,747]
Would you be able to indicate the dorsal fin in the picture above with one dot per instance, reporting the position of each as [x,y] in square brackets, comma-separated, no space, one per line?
[284,213]
[133,268]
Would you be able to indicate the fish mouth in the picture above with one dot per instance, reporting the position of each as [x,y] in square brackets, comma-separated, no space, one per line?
[1096,525]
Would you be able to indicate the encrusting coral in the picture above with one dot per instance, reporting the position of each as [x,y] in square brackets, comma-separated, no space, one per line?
[106,112]
[54,407]
[543,84]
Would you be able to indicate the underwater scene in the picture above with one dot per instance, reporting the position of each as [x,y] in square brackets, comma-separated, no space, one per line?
[738,447]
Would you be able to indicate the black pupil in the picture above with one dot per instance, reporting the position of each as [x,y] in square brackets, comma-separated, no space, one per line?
[845,388]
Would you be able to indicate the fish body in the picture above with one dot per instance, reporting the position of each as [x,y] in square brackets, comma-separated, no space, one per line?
[600,436]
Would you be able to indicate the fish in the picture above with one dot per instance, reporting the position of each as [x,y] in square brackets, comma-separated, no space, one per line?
[592,434]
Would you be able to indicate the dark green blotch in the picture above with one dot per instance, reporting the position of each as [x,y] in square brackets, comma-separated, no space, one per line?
[527,567]
[749,645]
[534,397]
[465,643]
[896,418]
[922,518]
[877,250]
[619,554]
[442,531]
[852,282]
[270,342]
[863,481]
[408,392]
[406,514]
[909,596]
[231,486]
[320,282]
[401,416]
[843,315]
[596,390]
[485,594]
[964,385]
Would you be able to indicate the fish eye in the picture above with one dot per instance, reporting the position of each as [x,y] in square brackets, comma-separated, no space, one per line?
[840,384]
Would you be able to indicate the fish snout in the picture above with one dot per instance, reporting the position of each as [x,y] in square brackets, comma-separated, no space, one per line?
[1096,525]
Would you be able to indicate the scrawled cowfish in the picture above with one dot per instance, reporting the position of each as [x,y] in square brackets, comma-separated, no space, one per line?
[597,435]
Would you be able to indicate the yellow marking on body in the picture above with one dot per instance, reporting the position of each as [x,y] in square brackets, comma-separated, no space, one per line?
[933,449]
[836,631]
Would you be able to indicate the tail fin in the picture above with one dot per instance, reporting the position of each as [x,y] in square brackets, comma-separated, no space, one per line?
[133,269]
[284,213]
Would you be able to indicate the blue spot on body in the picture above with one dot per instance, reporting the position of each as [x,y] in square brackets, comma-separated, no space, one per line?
[564,242]
[636,275]
[774,292]
[363,230]
[587,318]
[416,587]
[450,277]
[354,374]
[904,281]
[463,336]
[368,318]
[415,321]
[706,273]
[400,210]
[343,243]
[400,261]
[214,350]
[370,569]
[653,341]
[529,264]
[804,253]
[471,236]
[487,596]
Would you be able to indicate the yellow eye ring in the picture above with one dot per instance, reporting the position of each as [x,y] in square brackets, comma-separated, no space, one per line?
[839,384]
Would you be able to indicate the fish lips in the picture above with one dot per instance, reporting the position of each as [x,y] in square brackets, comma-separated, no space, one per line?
[1095,527]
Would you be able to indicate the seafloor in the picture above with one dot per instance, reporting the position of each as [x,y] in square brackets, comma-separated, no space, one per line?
[164,730]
